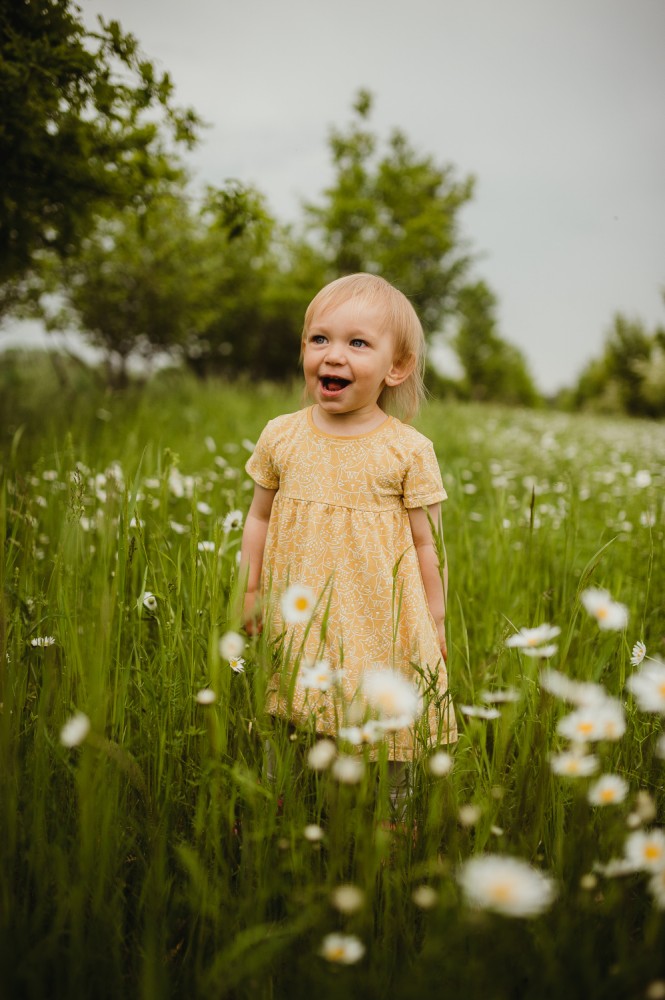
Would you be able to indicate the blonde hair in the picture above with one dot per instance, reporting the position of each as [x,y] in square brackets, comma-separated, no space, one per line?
[399,317]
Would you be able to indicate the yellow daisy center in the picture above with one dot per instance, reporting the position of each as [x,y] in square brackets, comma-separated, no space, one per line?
[585,727]
[607,795]
[301,603]
[652,851]
[602,612]
[502,892]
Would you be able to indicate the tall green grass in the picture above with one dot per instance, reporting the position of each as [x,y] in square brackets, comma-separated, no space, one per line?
[156,859]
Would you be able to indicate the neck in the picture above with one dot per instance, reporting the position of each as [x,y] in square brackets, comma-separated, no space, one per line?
[348,424]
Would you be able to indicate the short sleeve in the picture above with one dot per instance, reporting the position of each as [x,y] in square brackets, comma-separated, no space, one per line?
[422,485]
[261,463]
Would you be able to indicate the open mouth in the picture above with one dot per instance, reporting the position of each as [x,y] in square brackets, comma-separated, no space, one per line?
[333,384]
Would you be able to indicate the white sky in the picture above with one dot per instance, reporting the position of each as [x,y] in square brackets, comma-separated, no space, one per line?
[556,106]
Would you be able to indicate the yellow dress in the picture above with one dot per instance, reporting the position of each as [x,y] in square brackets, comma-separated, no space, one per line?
[339,525]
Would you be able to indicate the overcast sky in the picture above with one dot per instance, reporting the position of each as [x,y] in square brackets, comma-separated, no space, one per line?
[557,107]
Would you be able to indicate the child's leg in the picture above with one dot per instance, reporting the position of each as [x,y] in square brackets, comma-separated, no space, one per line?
[398,787]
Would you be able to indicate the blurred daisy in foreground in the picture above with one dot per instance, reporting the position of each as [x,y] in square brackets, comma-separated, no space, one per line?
[425,897]
[604,720]
[348,770]
[345,949]
[347,898]
[318,675]
[75,730]
[321,755]
[231,646]
[480,712]
[648,686]
[638,652]
[507,886]
[370,732]
[440,764]
[645,849]
[500,697]
[297,604]
[535,641]
[206,696]
[313,832]
[608,790]
[576,692]
[610,615]
[395,698]
[574,765]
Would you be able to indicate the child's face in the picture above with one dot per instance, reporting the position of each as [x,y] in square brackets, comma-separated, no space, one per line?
[348,358]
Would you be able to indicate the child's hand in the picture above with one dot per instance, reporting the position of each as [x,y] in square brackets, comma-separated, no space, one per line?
[251,613]
[441,632]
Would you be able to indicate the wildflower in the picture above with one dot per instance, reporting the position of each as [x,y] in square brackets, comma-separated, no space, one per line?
[149,601]
[237,664]
[232,521]
[469,814]
[540,652]
[479,711]
[440,764]
[610,615]
[576,692]
[179,529]
[347,898]
[648,686]
[75,730]
[506,885]
[574,765]
[348,770]
[345,949]
[638,653]
[370,732]
[313,832]
[589,882]
[424,896]
[203,507]
[609,789]
[642,478]
[645,807]
[231,646]
[604,720]
[297,604]
[500,697]
[318,675]
[321,755]
[209,442]
[532,638]
[394,697]
[206,546]
[206,696]
[657,890]
[646,849]
[43,640]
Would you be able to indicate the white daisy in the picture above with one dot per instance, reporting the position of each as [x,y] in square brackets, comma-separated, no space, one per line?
[638,653]
[232,521]
[149,601]
[648,686]
[347,898]
[610,615]
[604,720]
[231,646]
[75,730]
[394,697]
[321,755]
[344,949]
[318,676]
[576,692]
[425,897]
[506,885]
[646,849]
[480,712]
[574,765]
[348,770]
[206,546]
[440,764]
[297,604]
[530,638]
[500,697]
[237,664]
[370,732]
[206,696]
[43,640]
[609,789]
[313,832]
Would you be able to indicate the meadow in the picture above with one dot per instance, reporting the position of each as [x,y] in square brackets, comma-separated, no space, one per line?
[144,851]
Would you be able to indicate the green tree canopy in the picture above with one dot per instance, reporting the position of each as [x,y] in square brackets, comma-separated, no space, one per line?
[83,123]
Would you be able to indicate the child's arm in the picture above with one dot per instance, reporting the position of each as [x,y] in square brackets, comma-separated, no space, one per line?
[251,554]
[436,589]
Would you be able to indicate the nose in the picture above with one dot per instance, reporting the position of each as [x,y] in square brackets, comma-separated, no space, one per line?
[335,353]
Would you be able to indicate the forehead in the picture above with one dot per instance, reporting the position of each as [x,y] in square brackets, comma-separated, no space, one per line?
[356,312]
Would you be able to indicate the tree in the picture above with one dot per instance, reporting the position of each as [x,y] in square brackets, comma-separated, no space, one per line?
[83,124]
[629,376]
[395,214]
[494,370]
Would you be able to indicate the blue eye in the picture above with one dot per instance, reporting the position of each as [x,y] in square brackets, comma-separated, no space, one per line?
[357,342]
[318,338]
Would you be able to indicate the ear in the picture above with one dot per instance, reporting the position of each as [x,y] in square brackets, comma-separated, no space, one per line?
[400,370]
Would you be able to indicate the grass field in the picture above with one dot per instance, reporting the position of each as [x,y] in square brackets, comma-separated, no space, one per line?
[149,856]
